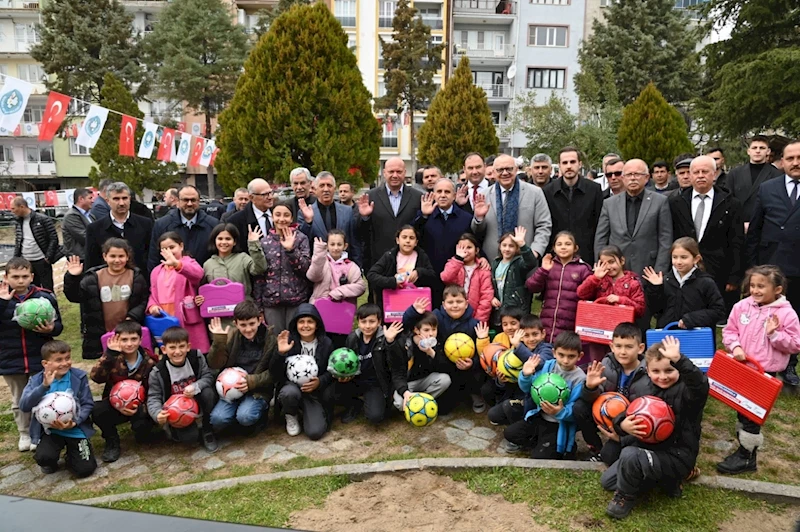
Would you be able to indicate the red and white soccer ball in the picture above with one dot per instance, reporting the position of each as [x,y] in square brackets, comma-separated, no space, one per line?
[54,406]
[227,381]
[128,394]
[181,411]
[657,416]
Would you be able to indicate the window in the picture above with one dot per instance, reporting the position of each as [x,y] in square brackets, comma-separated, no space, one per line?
[605,3]
[546,78]
[436,39]
[31,73]
[161,109]
[431,17]
[39,154]
[389,137]
[6,154]
[75,149]
[386,13]
[351,42]
[33,113]
[496,118]
[26,33]
[554,2]
[149,22]
[381,89]
[345,12]
[686,4]
[547,36]
[78,108]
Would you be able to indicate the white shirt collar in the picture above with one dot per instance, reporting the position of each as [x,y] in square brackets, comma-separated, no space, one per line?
[259,213]
[114,220]
[709,194]
[483,184]
[185,221]
[789,180]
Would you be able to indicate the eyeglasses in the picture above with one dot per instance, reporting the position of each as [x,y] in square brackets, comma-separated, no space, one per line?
[509,170]
[270,193]
[635,175]
[614,174]
[189,200]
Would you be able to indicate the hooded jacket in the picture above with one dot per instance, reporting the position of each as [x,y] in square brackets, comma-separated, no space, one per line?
[321,354]
[325,274]
[481,290]
[112,368]
[225,350]
[21,349]
[627,288]
[407,363]
[237,267]
[698,302]
[559,287]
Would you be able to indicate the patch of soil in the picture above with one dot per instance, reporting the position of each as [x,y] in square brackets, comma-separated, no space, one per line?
[418,502]
[762,520]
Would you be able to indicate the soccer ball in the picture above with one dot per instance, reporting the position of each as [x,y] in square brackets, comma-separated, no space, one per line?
[608,406]
[344,363]
[509,365]
[657,416]
[54,406]
[550,387]
[126,394]
[301,368]
[227,380]
[421,409]
[459,346]
[489,358]
[34,312]
[181,410]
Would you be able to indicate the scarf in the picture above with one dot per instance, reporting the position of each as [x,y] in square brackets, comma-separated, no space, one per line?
[507,214]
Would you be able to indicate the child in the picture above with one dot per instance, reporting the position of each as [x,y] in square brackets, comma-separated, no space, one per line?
[182,370]
[306,335]
[124,358]
[686,294]
[173,288]
[611,284]
[108,294]
[20,350]
[618,372]
[765,328]
[509,271]
[676,380]
[549,430]
[369,341]
[58,375]
[404,266]
[462,270]
[225,262]
[559,281]
[510,319]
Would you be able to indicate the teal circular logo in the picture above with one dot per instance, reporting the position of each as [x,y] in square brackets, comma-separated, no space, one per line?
[11,102]
[184,148]
[148,139]
[207,151]
[93,126]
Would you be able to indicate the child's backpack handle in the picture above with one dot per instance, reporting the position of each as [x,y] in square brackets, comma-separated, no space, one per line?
[221,281]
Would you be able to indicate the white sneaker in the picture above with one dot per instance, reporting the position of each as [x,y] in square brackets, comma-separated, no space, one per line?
[33,447]
[24,443]
[292,425]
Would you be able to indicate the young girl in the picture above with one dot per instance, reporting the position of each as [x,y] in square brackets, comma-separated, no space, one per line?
[765,328]
[508,274]
[334,277]
[108,294]
[558,280]
[686,294]
[226,263]
[403,266]
[463,270]
[173,288]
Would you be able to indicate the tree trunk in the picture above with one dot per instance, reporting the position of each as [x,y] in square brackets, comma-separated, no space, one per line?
[210,170]
[413,143]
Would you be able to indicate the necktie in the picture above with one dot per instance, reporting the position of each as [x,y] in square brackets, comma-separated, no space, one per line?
[698,215]
[630,215]
[328,217]
[793,195]
[444,214]
[474,194]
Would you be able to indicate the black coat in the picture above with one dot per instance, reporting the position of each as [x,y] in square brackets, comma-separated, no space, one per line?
[382,274]
[195,240]
[698,303]
[774,234]
[407,363]
[20,349]
[579,216]
[380,360]
[243,220]
[379,232]
[740,186]
[137,232]
[45,235]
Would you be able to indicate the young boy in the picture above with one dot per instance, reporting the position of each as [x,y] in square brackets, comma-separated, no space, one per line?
[20,350]
[124,358]
[374,383]
[418,363]
[510,322]
[182,370]
[250,346]
[58,375]
[549,430]
[618,372]
[306,336]
[676,380]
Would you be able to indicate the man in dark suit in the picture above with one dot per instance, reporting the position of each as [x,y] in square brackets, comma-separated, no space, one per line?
[721,180]
[774,233]
[256,213]
[743,181]
[77,219]
[302,184]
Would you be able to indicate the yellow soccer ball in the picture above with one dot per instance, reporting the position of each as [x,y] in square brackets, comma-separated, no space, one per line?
[421,409]
[509,365]
[459,346]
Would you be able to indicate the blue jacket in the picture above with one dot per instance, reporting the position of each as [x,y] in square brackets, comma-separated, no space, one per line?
[439,236]
[34,392]
[20,349]
[465,324]
[566,422]
[345,221]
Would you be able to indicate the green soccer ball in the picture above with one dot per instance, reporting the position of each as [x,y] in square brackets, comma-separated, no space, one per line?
[34,312]
[549,387]
[344,363]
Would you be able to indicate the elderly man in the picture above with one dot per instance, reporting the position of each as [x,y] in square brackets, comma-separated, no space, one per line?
[36,239]
[324,214]
[192,223]
[541,169]
[510,203]
[240,199]
[77,219]
[603,179]
[120,223]
[300,179]
[475,170]
[257,213]
[100,207]
[683,175]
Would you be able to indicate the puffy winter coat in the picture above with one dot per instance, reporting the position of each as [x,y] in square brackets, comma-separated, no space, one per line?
[325,274]
[627,288]
[480,286]
[45,235]
[698,302]
[382,274]
[559,287]
[284,282]
[20,349]
[514,293]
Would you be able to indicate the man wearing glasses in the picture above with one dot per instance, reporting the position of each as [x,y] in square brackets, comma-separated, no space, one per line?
[256,213]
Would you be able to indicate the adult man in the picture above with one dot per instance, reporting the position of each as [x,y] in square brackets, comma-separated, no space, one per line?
[100,207]
[744,181]
[240,199]
[462,178]
[683,176]
[36,239]
[661,182]
[215,208]
[475,171]
[430,175]
[77,219]
[119,223]
[301,184]
[325,214]
[612,173]
[190,222]
[385,209]
[774,233]
[490,174]
[171,198]
[521,163]
[541,169]
[510,203]
[603,179]
[575,203]
[721,179]
[346,193]
[257,212]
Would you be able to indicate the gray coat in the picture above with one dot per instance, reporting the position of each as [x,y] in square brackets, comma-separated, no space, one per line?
[651,239]
[73,230]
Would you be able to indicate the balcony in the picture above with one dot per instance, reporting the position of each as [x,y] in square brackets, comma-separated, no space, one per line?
[434,23]
[19,6]
[487,55]
[497,93]
[502,132]
[145,6]
[484,11]
[346,21]
[25,169]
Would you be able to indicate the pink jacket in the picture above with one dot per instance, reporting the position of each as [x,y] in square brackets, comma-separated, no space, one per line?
[746,328]
[481,291]
[325,274]
[186,284]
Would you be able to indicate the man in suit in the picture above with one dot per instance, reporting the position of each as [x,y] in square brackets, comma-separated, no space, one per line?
[612,173]
[721,179]
[120,223]
[302,185]
[256,213]
[100,207]
[744,181]
[774,233]
[77,219]
[510,203]
[475,170]
[324,214]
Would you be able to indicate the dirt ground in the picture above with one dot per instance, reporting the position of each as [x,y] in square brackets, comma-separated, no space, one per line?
[784,522]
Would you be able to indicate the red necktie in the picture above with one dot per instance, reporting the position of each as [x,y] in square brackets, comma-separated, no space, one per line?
[474,194]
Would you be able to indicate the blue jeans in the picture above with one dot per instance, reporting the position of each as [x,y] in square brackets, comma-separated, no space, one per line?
[246,411]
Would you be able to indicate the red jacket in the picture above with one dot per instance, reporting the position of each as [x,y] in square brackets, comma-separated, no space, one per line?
[481,291]
[559,288]
[628,288]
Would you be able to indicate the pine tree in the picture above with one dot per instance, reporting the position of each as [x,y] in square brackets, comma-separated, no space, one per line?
[300,102]
[410,62]
[268,15]
[651,129]
[135,172]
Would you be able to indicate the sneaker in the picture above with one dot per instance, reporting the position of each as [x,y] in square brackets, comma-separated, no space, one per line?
[621,505]
[209,441]
[508,447]
[112,451]
[478,405]
[352,413]
[292,425]
[595,457]
[790,375]
[48,470]
[33,447]
[24,443]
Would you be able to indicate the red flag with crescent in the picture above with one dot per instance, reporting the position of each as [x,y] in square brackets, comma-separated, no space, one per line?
[54,114]
[197,151]
[127,136]
[167,145]
[51,198]
[214,156]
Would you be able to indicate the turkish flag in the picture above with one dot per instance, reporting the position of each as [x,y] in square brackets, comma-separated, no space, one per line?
[54,114]
[182,127]
[9,197]
[167,145]
[51,198]
[197,151]
[3,206]
[17,131]
[214,156]
[127,136]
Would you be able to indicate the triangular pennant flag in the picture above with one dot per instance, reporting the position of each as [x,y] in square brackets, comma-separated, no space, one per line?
[208,152]
[166,146]
[184,149]
[197,151]
[92,126]
[127,136]
[13,99]
[148,140]
[54,114]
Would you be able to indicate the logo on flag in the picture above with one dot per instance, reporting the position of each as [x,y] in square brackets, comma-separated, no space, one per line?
[184,148]
[207,152]
[148,139]
[11,102]
[93,126]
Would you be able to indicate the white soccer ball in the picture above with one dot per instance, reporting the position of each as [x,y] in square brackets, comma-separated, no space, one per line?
[227,381]
[54,406]
[301,368]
